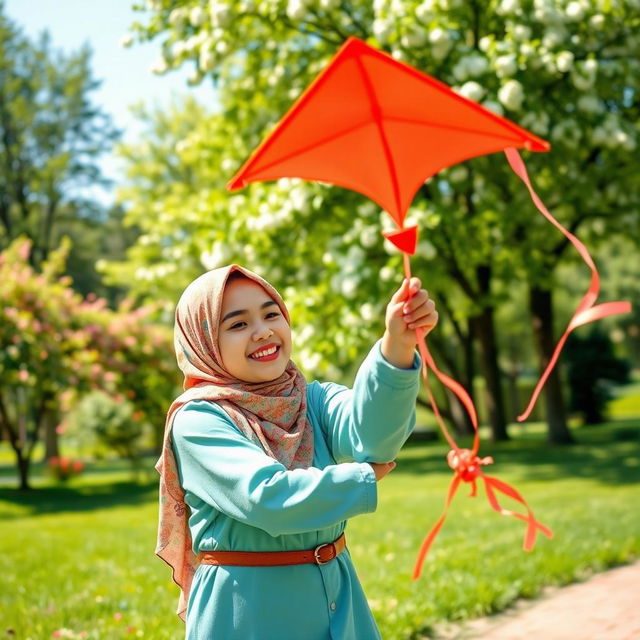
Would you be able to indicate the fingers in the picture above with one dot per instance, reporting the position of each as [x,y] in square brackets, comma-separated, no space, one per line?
[407,289]
[420,311]
[381,469]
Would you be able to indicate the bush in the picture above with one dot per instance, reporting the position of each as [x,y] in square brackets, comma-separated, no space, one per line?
[64,468]
[99,419]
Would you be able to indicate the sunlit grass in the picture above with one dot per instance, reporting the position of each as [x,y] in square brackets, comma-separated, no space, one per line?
[81,557]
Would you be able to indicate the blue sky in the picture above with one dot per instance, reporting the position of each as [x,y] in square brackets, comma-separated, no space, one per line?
[125,73]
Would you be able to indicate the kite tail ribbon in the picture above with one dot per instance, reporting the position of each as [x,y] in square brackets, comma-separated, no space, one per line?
[467,468]
[586,311]
[466,463]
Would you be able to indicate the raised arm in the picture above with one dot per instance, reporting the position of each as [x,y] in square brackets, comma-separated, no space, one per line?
[372,421]
[221,467]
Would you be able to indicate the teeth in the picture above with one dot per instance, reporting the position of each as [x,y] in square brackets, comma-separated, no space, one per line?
[261,354]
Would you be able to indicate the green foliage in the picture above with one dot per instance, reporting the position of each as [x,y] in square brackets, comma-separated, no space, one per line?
[593,369]
[475,568]
[567,73]
[111,422]
[51,136]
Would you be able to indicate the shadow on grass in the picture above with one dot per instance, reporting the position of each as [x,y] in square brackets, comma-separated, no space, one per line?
[46,500]
[608,453]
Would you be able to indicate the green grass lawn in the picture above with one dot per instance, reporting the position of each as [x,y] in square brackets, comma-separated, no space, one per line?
[81,557]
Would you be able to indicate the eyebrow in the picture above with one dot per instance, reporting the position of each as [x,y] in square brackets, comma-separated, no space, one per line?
[239,312]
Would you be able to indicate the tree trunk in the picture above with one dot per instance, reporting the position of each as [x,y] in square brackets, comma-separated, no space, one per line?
[484,329]
[51,449]
[23,470]
[541,307]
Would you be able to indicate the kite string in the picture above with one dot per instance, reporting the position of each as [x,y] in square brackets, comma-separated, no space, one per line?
[465,463]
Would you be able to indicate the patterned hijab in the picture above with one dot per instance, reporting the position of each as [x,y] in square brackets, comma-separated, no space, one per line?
[271,414]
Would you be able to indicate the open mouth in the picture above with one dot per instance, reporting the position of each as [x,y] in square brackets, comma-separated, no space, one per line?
[266,355]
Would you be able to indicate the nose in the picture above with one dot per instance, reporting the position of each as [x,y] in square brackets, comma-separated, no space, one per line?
[262,333]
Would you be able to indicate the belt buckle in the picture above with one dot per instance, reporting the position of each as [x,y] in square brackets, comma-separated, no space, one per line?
[316,553]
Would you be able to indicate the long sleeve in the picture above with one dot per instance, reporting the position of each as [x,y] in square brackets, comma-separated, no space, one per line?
[371,421]
[221,467]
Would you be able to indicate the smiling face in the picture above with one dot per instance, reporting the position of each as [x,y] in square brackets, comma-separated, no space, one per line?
[254,337]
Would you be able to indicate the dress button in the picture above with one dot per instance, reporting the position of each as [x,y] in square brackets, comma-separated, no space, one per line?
[332,606]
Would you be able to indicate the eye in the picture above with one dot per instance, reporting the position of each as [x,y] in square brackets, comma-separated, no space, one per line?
[237,325]
[272,314]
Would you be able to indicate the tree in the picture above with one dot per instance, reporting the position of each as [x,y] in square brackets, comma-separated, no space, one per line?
[593,369]
[56,346]
[566,71]
[51,136]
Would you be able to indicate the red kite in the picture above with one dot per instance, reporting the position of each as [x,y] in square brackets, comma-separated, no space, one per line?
[380,127]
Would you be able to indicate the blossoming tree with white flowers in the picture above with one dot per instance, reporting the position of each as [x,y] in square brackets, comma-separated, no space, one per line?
[567,70]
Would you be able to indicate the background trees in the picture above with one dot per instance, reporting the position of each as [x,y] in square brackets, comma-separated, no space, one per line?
[565,70]
[52,135]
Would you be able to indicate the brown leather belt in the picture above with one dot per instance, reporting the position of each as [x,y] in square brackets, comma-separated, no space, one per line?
[322,554]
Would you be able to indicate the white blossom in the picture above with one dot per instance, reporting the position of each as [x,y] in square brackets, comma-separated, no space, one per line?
[425,9]
[511,95]
[426,249]
[440,43]
[296,9]
[219,255]
[197,16]
[207,59]
[538,122]
[528,51]
[160,66]
[506,65]
[521,32]
[583,74]
[546,12]
[220,13]
[458,174]
[177,49]
[368,312]
[564,61]
[485,43]
[380,6]
[508,7]
[369,236]
[493,106]
[470,66]
[567,132]
[349,287]
[554,37]
[382,28]
[415,38]
[387,273]
[126,41]
[177,18]
[589,104]
[472,90]
[597,21]
[329,4]
[310,361]
[575,11]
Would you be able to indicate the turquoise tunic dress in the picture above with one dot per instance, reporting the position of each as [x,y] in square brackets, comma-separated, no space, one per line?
[241,499]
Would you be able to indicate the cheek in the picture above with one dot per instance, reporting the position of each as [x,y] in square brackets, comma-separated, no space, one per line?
[229,346]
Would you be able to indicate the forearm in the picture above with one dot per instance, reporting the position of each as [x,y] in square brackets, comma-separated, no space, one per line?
[395,353]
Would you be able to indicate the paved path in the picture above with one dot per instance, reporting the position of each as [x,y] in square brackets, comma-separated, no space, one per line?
[605,607]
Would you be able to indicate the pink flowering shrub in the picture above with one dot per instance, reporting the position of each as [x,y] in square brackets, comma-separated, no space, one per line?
[56,346]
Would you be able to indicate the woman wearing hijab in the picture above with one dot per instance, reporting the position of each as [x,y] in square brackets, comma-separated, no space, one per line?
[260,470]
